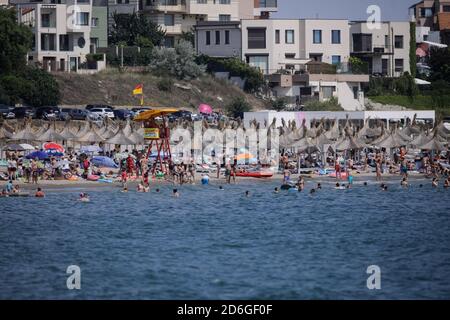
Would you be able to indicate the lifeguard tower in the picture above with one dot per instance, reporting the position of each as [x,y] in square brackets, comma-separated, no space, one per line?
[157,132]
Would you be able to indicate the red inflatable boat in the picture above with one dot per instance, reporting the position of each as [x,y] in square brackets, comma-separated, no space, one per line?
[254,174]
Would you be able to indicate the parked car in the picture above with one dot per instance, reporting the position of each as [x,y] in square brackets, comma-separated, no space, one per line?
[6,112]
[77,114]
[96,106]
[183,114]
[64,114]
[103,112]
[93,116]
[48,113]
[24,112]
[123,114]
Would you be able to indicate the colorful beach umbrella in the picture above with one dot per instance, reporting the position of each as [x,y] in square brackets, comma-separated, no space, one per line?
[53,146]
[104,162]
[40,155]
[204,108]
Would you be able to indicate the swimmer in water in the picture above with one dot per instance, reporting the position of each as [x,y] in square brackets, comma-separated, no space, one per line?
[84,197]
[404,182]
[157,190]
[140,187]
[435,183]
[175,193]
[125,189]
[447,183]
[220,188]
[276,190]
[312,191]
[247,193]
[146,188]
[365,183]
[420,185]
[319,186]
[39,193]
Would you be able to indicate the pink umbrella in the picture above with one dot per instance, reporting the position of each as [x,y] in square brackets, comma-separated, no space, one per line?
[204,108]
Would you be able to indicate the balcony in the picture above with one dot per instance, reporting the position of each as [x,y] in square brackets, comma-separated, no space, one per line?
[166,5]
[268,5]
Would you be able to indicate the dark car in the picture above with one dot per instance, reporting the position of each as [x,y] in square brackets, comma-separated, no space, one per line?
[77,114]
[48,113]
[182,114]
[24,112]
[6,112]
[64,114]
[97,106]
[123,114]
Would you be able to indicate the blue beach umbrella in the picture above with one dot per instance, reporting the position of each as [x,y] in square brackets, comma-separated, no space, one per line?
[104,162]
[40,155]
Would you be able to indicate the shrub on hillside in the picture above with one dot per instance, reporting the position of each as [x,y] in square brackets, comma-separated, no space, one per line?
[237,107]
[330,105]
[165,84]
[279,104]
[178,62]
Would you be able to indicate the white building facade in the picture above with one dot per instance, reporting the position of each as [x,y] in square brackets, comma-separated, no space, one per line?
[384,49]
[61,33]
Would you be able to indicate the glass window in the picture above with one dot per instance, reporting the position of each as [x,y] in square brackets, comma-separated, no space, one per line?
[426,12]
[317,36]
[399,65]
[227,36]
[335,59]
[94,22]
[224,1]
[446,8]
[256,38]
[48,42]
[217,37]
[289,36]
[169,20]
[398,42]
[82,19]
[336,36]
[224,17]
[208,38]
[45,20]
[277,36]
[260,62]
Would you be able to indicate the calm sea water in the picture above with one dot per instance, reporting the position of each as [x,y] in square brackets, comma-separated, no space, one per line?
[213,244]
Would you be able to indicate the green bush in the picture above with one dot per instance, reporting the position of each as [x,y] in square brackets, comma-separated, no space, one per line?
[254,79]
[330,105]
[41,89]
[237,107]
[165,84]
[279,104]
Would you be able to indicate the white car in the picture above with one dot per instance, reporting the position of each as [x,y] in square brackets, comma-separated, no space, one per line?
[103,112]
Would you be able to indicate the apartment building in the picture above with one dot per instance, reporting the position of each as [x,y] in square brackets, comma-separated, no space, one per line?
[291,54]
[99,25]
[178,16]
[385,50]
[61,35]
[434,14]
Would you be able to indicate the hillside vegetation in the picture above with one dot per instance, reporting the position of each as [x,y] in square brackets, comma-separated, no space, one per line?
[115,88]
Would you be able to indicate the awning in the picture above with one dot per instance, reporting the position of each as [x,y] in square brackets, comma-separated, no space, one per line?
[422,82]
[151,114]
[435,44]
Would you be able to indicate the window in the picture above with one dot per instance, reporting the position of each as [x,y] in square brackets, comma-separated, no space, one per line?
[384,67]
[328,91]
[445,8]
[335,59]
[260,62]
[398,42]
[336,36]
[256,38]
[386,41]
[202,1]
[277,36]
[289,36]
[426,12]
[317,36]
[169,20]
[217,37]
[169,42]
[94,22]
[82,19]
[224,1]
[208,38]
[398,65]
[224,17]
[45,20]
[64,42]
[227,36]
[48,42]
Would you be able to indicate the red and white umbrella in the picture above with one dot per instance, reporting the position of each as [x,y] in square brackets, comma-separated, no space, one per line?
[53,146]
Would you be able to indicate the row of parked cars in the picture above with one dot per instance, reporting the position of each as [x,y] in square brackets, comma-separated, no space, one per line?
[94,113]
[91,112]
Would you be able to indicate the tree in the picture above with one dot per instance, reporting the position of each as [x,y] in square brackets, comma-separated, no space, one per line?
[188,36]
[440,64]
[412,49]
[178,62]
[279,104]
[237,107]
[15,41]
[40,88]
[134,30]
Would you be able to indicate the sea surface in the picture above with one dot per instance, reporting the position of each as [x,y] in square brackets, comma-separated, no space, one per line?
[219,244]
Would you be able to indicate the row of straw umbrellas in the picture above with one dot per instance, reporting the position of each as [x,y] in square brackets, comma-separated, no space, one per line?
[82,132]
[323,133]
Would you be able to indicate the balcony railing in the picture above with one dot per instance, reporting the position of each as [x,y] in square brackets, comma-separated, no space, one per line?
[268,3]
